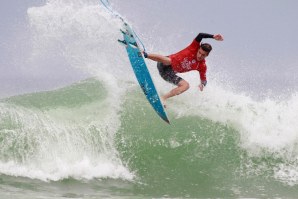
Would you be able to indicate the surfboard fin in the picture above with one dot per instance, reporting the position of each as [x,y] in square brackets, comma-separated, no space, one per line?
[134,44]
[123,42]
[122,31]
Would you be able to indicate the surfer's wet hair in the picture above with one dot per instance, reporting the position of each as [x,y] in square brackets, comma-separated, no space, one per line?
[206,47]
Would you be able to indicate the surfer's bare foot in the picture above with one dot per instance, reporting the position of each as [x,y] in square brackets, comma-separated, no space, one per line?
[163,100]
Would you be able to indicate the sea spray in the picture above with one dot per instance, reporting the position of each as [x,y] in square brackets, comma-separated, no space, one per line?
[83,33]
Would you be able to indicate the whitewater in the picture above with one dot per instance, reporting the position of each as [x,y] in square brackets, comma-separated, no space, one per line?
[100,138]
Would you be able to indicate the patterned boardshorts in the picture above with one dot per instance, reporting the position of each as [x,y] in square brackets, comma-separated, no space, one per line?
[167,73]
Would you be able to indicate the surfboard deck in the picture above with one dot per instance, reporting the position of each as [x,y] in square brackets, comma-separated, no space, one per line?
[141,71]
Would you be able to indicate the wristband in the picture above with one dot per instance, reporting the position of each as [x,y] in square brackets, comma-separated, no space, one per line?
[204,83]
[145,54]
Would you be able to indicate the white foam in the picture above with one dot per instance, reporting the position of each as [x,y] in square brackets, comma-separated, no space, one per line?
[266,126]
[80,170]
[39,145]
[287,173]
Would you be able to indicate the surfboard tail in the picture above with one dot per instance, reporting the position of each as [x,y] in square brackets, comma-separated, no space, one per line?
[166,120]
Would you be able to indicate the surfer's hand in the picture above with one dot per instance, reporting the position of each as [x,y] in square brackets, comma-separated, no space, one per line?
[218,37]
[201,87]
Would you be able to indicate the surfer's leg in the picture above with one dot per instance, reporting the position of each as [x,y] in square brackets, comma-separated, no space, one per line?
[167,73]
[182,87]
[159,58]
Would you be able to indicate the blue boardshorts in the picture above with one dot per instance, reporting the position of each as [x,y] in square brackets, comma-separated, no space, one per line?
[167,73]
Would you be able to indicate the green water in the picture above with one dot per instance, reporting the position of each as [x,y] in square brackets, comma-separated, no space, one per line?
[77,142]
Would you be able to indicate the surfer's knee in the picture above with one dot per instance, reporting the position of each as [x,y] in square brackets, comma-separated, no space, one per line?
[184,85]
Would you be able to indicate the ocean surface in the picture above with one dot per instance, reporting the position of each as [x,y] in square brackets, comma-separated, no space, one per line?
[75,142]
[99,138]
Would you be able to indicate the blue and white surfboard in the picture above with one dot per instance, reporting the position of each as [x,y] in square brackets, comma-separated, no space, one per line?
[142,74]
[139,66]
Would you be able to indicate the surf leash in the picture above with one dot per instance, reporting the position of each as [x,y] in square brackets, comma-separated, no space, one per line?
[108,6]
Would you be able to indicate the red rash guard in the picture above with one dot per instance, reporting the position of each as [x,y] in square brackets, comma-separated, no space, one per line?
[186,59]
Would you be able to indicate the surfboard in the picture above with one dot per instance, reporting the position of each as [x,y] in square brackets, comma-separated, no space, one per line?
[141,71]
[139,66]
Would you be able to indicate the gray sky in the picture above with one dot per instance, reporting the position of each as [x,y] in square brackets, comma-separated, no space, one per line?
[17,75]
[259,52]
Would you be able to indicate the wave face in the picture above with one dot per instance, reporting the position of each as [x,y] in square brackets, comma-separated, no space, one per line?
[221,143]
[77,132]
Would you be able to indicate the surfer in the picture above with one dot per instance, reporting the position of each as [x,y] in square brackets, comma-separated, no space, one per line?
[190,58]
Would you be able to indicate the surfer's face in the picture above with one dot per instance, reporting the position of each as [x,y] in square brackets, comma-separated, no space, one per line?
[201,55]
